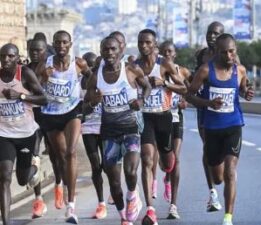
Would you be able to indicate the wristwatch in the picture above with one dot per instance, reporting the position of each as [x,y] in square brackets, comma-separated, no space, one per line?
[165,83]
[22,96]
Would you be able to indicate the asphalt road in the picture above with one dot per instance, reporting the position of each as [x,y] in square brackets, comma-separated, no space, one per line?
[193,191]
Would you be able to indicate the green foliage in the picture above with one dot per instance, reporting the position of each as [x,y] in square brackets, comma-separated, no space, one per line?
[247,54]
[186,57]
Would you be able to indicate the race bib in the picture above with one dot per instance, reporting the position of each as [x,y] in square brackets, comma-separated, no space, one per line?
[58,89]
[116,101]
[228,97]
[154,102]
[11,110]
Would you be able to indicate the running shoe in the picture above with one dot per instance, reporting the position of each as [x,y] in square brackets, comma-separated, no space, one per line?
[225,222]
[39,208]
[150,218]
[173,212]
[36,179]
[70,216]
[154,189]
[133,207]
[101,212]
[58,197]
[213,203]
[167,190]
[110,201]
[125,222]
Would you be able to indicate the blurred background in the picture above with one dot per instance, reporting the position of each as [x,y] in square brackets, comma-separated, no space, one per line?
[184,22]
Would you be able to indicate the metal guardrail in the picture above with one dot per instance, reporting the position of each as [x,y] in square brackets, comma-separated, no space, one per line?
[251,107]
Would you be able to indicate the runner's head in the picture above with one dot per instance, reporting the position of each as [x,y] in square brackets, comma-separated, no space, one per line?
[62,43]
[90,58]
[147,42]
[9,56]
[37,50]
[120,38]
[110,50]
[167,49]
[214,30]
[226,51]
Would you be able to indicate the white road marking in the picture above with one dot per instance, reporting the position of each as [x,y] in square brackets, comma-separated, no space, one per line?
[258,149]
[248,144]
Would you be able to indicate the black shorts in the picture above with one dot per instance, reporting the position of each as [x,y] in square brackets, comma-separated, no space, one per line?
[22,148]
[92,143]
[157,129]
[177,128]
[222,142]
[58,122]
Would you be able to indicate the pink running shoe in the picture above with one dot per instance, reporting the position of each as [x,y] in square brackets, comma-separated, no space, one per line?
[167,191]
[133,208]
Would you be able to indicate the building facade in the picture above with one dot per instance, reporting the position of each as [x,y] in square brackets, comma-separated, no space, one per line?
[13,23]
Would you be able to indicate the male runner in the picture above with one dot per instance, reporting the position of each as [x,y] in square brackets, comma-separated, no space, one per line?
[19,89]
[93,142]
[38,54]
[63,127]
[206,54]
[116,86]
[156,113]
[223,81]
[171,180]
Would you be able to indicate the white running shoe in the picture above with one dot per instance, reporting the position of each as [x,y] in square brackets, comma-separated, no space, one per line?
[225,222]
[173,212]
[36,179]
[70,216]
[213,203]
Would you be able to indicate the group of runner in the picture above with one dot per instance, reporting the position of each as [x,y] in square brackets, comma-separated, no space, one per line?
[129,112]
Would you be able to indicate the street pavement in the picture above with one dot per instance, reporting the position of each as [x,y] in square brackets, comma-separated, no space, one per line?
[193,191]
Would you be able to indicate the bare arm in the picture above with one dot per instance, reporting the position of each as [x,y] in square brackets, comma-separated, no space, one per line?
[178,86]
[245,89]
[200,77]
[31,83]
[82,67]
[137,72]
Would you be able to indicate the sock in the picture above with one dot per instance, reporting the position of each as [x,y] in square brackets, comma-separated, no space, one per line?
[150,208]
[39,197]
[71,205]
[130,194]
[122,214]
[228,217]
[102,203]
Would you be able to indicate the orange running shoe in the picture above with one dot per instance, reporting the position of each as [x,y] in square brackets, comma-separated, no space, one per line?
[39,208]
[101,211]
[58,197]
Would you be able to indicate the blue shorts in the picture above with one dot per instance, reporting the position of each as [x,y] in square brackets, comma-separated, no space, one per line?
[116,148]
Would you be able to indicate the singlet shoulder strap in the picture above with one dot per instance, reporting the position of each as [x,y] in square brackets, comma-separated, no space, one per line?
[18,74]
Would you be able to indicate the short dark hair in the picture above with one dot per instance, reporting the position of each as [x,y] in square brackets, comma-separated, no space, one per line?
[225,36]
[10,45]
[62,32]
[108,38]
[114,33]
[217,24]
[39,36]
[148,31]
[166,43]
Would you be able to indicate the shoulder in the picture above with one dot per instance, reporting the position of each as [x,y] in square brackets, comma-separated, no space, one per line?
[134,68]
[80,62]
[241,69]
[185,72]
